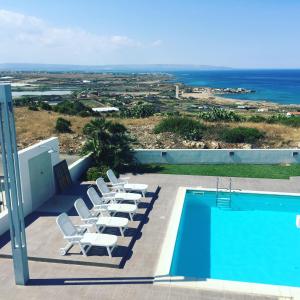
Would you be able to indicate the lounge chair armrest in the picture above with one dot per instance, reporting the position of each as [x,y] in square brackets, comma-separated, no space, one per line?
[110,194]
[108,199]
[117,184]
[102,207]
[117,188]
[84,226]
[73,238]
[90,219]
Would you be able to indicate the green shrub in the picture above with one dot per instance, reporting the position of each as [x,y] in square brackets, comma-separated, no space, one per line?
[62,125]
[241,135]
[183,126]
[293,121]
[33,107]
[44,105]
[94,173]
[139,111]
[257,119]
[217,114]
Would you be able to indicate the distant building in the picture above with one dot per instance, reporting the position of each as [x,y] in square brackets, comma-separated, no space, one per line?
[293,113]
[262,110]
[105,109]
[177,91]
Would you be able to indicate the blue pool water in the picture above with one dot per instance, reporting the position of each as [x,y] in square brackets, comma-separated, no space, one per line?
[254,241]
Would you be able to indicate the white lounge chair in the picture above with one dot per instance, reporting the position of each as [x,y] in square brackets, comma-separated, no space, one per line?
[100,222]
[108,208]
[107,194]
[78,235]
[123,185]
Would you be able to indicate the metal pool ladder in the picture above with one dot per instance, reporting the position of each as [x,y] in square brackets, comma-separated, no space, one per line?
[223,202]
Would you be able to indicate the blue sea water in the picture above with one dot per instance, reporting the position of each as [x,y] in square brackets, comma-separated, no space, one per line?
[255,241]
[280,86]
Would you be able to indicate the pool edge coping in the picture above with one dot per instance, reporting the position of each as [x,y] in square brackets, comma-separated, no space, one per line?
[162,277]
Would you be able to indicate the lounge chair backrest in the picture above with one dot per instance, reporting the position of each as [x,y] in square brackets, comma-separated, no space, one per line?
[94,196]
[112,177]
[82,209]
[102,186]
[65,225]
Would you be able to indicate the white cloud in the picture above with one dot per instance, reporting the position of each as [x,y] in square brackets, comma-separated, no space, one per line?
[26,38]
[156,43]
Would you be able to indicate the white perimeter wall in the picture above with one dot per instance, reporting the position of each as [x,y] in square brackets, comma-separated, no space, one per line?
[218,156]
[76,170]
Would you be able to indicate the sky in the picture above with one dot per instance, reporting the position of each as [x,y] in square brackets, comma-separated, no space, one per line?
[231,33]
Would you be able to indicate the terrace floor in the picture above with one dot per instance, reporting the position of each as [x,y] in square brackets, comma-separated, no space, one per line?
[130,273]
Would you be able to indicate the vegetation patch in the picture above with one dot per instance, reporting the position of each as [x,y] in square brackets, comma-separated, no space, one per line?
[217,114]
[185,127]
[139,111]
[293,121]
[73,108]
[62,125]
[242,135]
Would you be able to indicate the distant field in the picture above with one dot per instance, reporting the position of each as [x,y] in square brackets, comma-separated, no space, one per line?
[227,170]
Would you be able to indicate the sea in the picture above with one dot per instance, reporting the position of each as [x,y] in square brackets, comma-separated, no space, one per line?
[279,86]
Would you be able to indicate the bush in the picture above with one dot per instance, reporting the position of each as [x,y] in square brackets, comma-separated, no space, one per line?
[62,125]
[94,173]
[292,121]
[45,106]
[257,119]
[217,114]
[183,126]
[242,135]
[33,107]
[73,108]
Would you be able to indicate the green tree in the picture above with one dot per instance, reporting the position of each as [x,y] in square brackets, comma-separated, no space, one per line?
[109,143]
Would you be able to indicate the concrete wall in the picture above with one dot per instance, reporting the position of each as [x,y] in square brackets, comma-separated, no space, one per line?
[79,167]
[218,156]
[25,156]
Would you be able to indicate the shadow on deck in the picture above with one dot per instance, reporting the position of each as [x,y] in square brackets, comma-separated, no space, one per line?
[44,238]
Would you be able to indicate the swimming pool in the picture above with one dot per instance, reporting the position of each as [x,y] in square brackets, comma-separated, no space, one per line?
[252,238]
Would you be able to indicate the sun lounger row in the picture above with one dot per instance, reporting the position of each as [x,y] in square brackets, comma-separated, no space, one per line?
[105,208]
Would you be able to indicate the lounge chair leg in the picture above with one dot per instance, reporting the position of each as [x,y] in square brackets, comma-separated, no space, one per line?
[108,251]
[121,230]
[131,217]
[84,252]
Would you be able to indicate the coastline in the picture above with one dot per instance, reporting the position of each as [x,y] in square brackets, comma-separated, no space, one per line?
[280,88]
[209,96]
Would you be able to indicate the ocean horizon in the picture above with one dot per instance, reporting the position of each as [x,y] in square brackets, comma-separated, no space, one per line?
[281,86]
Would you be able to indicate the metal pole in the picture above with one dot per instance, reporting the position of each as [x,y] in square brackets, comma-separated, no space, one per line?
[12,185]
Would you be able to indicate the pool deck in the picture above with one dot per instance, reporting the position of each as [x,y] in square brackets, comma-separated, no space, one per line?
[130,273]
